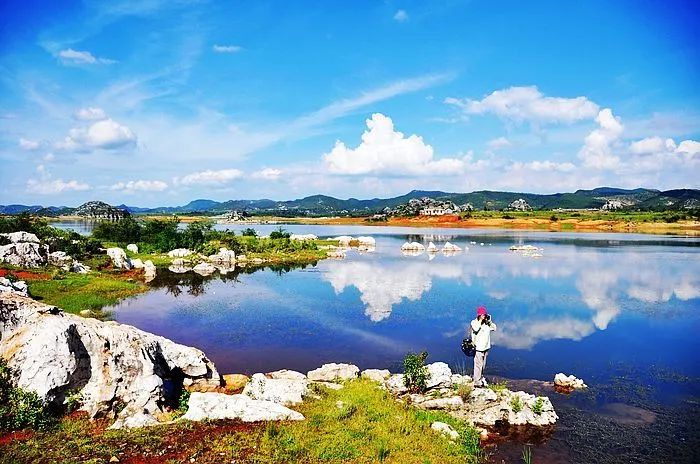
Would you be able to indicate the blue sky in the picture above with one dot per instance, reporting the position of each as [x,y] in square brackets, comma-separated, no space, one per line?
[160,102]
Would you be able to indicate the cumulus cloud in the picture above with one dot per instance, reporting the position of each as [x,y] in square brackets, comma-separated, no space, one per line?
[89,114]
[140,186]
[70,56]
[539,166]
[528,104]
[267,174]
[497,144]
[597,151]
[28,145]
[46,184]
[227,48]
[209,177]
[401,16]
[106,134]
[384,150]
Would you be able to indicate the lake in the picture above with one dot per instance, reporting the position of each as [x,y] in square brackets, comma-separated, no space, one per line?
[620,311]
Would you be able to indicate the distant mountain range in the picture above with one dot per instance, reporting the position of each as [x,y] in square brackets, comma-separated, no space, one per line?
[637,199]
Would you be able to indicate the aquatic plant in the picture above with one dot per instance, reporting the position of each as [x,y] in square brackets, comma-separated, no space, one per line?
[527,455]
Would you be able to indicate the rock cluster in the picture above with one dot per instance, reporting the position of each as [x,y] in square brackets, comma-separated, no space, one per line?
[100,210]
[303,237]
[416,249]
[520,205]
[530,251]
[568,382]
[67,263]
[118,370]
[19,287]
[24,250]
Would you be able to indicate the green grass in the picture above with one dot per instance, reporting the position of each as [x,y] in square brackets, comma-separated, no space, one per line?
[368,427]
[76,292]
[499,386]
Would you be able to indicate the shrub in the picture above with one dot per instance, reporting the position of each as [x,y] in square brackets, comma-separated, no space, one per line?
[415,374]
[249,232]
[279,233]
[537,407]
[464,390]
[125,230]
[20,409]
[516,404]
[553,218]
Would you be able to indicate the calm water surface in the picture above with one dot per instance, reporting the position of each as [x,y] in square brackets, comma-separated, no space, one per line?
[620,311]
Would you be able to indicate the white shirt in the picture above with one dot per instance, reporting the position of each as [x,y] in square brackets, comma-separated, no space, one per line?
[481,334]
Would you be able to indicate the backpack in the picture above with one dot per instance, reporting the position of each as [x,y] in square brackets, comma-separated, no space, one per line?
[468,347]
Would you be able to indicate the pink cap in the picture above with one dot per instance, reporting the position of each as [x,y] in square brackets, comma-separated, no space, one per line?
[480,311]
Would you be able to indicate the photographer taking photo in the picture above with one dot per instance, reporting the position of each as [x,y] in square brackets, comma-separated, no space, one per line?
[481,329]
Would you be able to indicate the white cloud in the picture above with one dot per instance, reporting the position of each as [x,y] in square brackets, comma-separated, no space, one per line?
[654,154]
[401,16]
[597,151]
[227,48]
[70,56]
[106,134]
[528,104]
[267,174]
[497,144]
[539,166]
[90,114]
[140,186]
[28,145]
[384,150]
[46,184]
[210,177]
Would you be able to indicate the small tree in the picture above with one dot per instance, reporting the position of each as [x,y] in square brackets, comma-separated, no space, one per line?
[415,374]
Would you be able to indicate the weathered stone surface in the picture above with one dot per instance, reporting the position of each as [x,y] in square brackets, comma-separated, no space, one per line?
[367,241]
[132,247]
[179,253]
[235,382]
[288,392]
[445,429]
[223,257]
[119,258]
[18,237]
[204,269]
[19,287]
[286,374]
[332,372]
[378,375]
[568,382]
[447,403]
[203,406]
[450,247]
[149,270]
[458,379]
[60,259]
[396,384]
[486,407]
[110,364]
[440,375]
[24,254]
[137,263]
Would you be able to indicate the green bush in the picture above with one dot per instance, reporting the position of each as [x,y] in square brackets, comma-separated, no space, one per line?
[537,407]
[516,404]
[415,374]
[279,233]
[20,409]
[249,232]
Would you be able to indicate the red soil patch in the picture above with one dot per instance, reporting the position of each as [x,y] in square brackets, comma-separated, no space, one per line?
[21,435]
[25,275]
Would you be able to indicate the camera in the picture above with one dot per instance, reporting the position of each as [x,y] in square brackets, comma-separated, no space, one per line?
[487,319]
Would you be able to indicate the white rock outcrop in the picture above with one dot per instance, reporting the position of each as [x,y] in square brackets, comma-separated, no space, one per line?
[333,372]
[344,240]
[568,382]
[451,247]
[132,247]
[118,370]
[367,241]
[439,375]
[223,257]
[119,258]
[204,269]
[67,263]
[378,375]
[24,250]
[486,407]
[286,374]
[445,429]
[137,263]
[19,287]
[21,237]
[179,253]
[289,392]
[149,270]
[213,406]
[303,237]
[432,248]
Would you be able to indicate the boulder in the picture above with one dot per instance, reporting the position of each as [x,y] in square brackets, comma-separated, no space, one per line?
[118,370]
[486,407]
[119,259]
[204,269]
[458,379]
[235,382]
[24,254]
[439,375]
[224,256]
[286,374]
[332,372]
[60,259]
[445,429]
[303,237]
[20,237]
[450,247]
[213,406]
[132,247]
[432,248]
[367,241]
[378,375]
[79,267]
[289,392]
[136,263]
[344,240]
[19,287]
[396,384]
[449,403]
[336,254]
[179,253]
[149,270]
[568,382]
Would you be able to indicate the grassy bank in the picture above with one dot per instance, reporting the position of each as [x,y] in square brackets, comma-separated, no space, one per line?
[359,423]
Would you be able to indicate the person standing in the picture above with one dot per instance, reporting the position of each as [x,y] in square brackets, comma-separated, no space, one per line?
[481,329]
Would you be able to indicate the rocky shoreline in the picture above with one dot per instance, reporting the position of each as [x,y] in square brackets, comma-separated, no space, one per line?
[134,377]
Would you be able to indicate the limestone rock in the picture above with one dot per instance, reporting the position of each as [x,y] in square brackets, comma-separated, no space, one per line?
[132,247]
[289,392]
[439,375]
[149,270]
[19,287]
[568,382]
[396,384]
[212,406]
[447,403]
[344,240]
[137,263]
[458,379]
[20,237]
[119,370]
[450,247]
[332,372]
[179,253]
[224,256]
[234,382]
[286,374]
[60,259]
[204,269]
[303,237]
[367,241]
[445,429]
[119,259]
[432,249]
[24,254]
[486,407]
[378,375]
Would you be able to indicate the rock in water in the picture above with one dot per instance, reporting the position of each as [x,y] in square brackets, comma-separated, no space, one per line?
[119,259]
[149,270]
[120,371]
[212,406]
[332,372]
[204,269]
[568,382]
